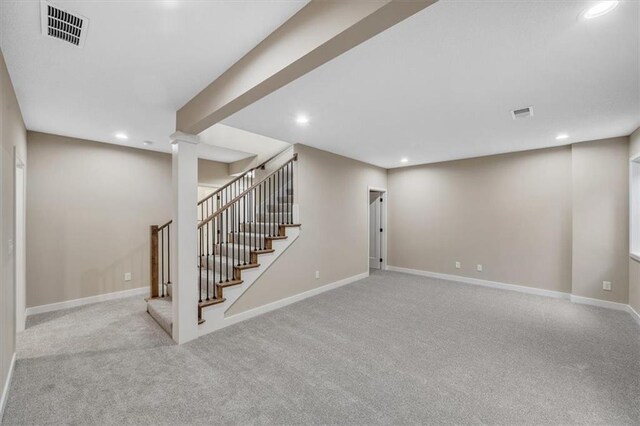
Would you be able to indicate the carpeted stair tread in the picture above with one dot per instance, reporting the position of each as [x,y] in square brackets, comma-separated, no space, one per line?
[160,309]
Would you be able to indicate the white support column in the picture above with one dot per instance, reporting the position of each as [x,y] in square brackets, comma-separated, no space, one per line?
[184,167]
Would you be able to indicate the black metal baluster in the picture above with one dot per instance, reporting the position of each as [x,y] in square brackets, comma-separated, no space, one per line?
[273,205]
[226,232]
[260,216]
[244,234]
[236,209]
[200,269]
[255,221]
[208,254]
[279,198]
[162,260]
[289,194]
[233,239]
[270,206]
[168,254]
[220,243]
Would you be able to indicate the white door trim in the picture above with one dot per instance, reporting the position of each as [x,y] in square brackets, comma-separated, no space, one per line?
[19,244]
[383,224]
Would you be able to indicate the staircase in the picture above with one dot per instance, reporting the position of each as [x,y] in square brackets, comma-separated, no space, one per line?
[242,229]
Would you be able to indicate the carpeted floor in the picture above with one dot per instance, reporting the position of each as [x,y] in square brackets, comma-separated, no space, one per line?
[392,348]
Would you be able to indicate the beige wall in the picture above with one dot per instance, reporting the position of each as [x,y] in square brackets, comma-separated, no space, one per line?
[213,173]
[555,219]
[511,213]
[333,199]
[634,265]
[12,136]
[89,208]
[601,219]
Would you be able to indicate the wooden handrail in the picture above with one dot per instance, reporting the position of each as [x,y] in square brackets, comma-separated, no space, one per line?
[245,192]
[161,227]
[243,175]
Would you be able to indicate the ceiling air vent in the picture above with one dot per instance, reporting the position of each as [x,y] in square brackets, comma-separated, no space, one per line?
[522,112]
[63,25]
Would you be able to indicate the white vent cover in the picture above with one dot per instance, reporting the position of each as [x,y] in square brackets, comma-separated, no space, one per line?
[522,112]
[63,25]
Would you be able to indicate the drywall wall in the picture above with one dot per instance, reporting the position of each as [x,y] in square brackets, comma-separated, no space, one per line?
[13,141]
[212,173]
[634,265]
[333,198]
[555,219]
[601,219]
[89,208]
[510,213]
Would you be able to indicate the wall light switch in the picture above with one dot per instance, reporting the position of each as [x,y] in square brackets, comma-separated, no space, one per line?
[479,268]
[606,285]
[458,265]
[317,274]
[127,276]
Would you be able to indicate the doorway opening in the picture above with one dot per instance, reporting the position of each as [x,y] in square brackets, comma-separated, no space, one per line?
[377,229]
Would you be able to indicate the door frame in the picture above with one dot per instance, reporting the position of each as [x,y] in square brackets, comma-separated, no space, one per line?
[383,224]
[20,233]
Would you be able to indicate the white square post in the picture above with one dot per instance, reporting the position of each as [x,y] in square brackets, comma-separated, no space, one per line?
[184,175]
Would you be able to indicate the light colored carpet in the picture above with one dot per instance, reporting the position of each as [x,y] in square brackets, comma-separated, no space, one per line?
[391,348]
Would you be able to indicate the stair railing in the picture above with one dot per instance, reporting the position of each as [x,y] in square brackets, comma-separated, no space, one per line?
[160,255]
[221,196]
[160,259]
[233,236]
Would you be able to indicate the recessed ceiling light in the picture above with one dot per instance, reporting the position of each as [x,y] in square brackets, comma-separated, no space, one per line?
[404,160]
[122,136]
[600,9]
[302,119]
[562,136]
[170,4]
[147,143]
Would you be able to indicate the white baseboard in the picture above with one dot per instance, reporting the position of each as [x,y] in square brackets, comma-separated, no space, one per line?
[634,313]
[597,302]
[7,384]
[484,283]
[522,289]
[87,300]
[242,316]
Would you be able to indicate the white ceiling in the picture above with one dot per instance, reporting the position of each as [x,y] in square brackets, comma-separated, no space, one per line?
[141,62]
[441,85]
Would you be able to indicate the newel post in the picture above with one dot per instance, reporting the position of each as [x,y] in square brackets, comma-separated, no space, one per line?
[184,167]
[154,291]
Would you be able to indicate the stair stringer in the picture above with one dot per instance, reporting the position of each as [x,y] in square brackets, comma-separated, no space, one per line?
[214,316]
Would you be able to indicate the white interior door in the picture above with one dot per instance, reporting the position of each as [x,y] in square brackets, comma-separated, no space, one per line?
[20,251]
[375,237]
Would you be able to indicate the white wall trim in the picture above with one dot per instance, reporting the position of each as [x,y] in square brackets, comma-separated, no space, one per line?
[634,313]
[242,316]
[7,385]
[484,283]
[597,302]
[87,300]
[522,289]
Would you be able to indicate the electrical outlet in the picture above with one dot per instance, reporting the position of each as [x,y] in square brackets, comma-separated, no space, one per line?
[479,268]
[317,274]
[606,285]
[458,265]
[127,276]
